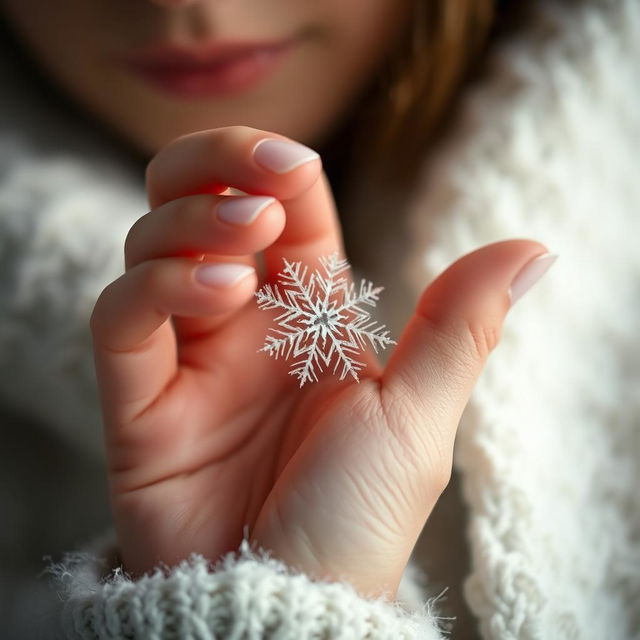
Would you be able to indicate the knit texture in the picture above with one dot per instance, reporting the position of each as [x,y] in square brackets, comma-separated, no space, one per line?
[67,201]
[244,596]
[549,446]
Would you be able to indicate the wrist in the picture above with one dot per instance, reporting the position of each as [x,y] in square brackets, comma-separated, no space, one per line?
[368,574]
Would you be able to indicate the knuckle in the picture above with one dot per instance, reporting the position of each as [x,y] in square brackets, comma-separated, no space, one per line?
[235,129]
[96,314]
[451,338]
[467,341]
[243,131]
[223,142]
[483,338]
[130,240]
[100,313]
[156,168]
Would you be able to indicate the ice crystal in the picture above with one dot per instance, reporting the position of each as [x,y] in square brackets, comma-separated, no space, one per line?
[322,319]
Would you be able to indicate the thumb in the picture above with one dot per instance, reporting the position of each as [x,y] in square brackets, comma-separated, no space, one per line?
[456,325]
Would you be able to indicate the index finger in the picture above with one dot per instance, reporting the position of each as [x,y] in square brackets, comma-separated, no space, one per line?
[209,161]
[259,163]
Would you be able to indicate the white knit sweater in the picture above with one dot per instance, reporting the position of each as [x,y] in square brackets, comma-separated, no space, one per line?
[547,146]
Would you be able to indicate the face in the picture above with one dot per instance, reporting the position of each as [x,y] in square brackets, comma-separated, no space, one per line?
[305,64]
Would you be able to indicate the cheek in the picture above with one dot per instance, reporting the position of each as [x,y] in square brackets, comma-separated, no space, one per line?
[352,43]
[366,30]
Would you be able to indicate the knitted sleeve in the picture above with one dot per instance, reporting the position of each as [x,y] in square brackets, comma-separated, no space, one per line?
[246,595]
[63,221]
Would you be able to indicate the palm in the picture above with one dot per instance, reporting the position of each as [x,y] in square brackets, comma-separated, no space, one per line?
[216,442]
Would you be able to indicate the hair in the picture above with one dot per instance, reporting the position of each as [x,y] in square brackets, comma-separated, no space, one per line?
[409,102]
[375,158]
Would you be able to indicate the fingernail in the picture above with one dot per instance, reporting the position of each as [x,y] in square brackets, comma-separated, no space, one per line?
[529,275]
[241,210]
[222,275]
[280,156]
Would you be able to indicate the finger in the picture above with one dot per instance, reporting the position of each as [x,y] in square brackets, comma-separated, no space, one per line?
[256,162]
[312,230]
[134,344]
[209,161]
[195,225]
[456,325]
[225,157]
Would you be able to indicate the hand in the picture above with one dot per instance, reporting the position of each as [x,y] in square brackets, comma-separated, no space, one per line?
[204,435]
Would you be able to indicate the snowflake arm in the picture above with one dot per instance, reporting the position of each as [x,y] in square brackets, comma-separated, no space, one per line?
[322,319]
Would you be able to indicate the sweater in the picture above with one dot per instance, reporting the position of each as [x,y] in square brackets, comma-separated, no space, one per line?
[538,535]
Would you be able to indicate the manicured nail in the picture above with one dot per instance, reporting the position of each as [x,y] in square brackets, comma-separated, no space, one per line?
[280,156]
[241,210]
[529,275]
[222,275]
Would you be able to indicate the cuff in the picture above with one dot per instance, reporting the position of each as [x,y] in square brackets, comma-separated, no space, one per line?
[246,595]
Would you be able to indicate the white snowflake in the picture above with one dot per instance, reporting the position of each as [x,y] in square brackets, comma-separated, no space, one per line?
[321,319]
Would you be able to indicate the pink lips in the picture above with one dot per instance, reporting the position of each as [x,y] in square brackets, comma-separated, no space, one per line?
[196,72]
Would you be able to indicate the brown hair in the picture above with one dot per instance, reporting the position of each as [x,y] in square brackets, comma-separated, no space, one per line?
[410,101]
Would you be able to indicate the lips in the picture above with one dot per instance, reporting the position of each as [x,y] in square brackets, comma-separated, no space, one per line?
[219,68]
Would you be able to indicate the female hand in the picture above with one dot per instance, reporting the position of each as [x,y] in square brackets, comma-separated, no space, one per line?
[205,436]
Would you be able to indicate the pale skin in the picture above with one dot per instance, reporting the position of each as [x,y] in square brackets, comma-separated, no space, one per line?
[340,47]
[207,438]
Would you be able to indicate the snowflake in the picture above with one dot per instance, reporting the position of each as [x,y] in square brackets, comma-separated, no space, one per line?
[321,319]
